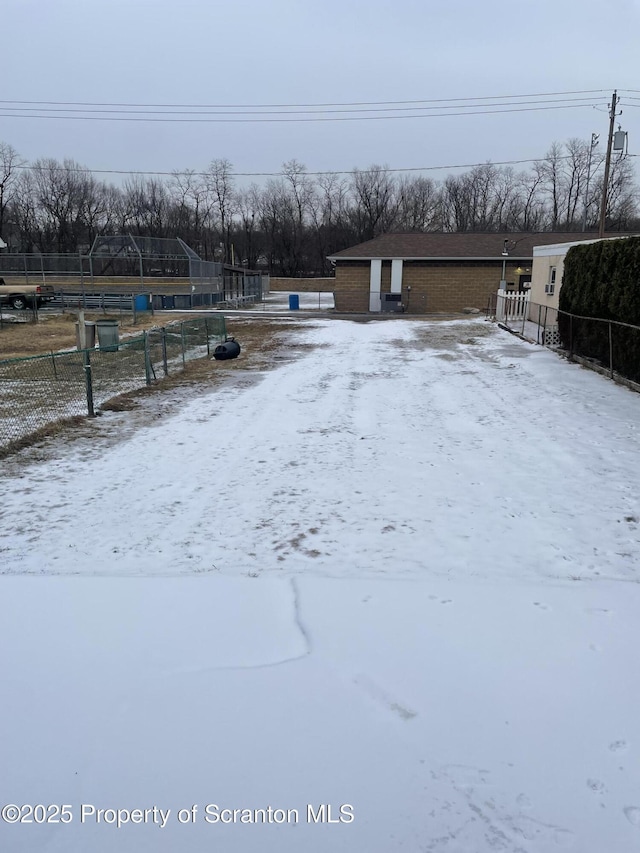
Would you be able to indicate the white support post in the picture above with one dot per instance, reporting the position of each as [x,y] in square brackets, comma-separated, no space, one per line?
[375,282]
[396,275]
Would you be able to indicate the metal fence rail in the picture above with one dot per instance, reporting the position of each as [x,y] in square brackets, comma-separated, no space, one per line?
[605,344]
[138,271]
[39,268]
[37,392]
[608,346]
[135,301]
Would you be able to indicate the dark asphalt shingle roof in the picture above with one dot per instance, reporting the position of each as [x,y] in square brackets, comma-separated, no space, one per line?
[460,245]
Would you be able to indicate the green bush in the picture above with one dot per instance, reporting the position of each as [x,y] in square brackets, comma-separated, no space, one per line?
[603,280]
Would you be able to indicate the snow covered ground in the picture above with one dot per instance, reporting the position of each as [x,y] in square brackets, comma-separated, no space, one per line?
[398,575]
[278,300]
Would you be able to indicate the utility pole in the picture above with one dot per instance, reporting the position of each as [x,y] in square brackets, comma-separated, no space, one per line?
[594,142]
[607,164]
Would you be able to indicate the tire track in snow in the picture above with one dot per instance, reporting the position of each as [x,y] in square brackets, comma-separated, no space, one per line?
[372,454]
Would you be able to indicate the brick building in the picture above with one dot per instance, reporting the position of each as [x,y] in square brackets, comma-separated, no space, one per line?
[435,273]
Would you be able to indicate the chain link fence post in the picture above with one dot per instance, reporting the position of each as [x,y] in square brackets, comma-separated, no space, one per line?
[86,359]
[570,336]
[147,359]
[165,363]
[184,356]
[539,324]
[610,351]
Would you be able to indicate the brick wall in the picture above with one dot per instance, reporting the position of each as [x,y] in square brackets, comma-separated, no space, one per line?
[445,287]
[352,287]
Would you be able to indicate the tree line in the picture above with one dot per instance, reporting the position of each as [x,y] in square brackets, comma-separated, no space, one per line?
[292,222]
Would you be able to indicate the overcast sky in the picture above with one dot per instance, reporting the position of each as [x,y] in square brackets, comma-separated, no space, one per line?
[295,52]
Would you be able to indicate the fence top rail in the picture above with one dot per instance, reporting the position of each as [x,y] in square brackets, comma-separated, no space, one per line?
[46,355]
[598,319]
[66,352]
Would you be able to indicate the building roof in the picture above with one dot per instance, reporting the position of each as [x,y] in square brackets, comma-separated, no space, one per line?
[562,248]
[459,245]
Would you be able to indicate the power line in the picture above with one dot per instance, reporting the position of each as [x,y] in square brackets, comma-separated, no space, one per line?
[280,174]
[312,105]
[290,120]
[48,110]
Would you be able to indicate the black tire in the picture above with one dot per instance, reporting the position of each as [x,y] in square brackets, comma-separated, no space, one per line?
[19,302]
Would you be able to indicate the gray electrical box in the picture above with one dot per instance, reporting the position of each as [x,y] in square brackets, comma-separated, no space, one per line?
[619,140]
[392,302]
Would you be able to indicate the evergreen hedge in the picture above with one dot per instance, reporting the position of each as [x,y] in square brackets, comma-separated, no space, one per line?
[603,280]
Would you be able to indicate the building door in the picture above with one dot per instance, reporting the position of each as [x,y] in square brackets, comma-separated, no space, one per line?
[524,282]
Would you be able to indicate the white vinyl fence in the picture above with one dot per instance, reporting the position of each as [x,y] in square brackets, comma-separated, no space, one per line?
[511,307]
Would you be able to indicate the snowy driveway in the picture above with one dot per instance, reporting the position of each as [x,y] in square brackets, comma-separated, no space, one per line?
[398,574]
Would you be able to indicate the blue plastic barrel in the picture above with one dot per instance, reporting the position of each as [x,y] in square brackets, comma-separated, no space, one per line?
[294,301]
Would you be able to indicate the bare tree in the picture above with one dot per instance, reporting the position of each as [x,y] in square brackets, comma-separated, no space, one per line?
[297,220]
[10,164]
[299,200]
[375,209]
[66,195]
[193,204]
[563,181]
[23,214]
[330,211]
[250,238]
[220,184]
[470,200]
[622,204]
[419,202]
[529,211]
[146,206]
[550,173]
[575,180]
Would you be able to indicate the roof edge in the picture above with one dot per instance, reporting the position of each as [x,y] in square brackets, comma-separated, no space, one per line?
[367,258]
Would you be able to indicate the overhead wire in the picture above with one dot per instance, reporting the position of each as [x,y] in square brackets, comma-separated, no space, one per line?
[150,112]
[270,119]
[195,174]
[312,105]
[312,112]
[321,113]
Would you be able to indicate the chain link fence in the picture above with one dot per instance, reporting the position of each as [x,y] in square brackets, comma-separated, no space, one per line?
[607,346]
[536,322]
[110,267]
[40,391]
[128,258]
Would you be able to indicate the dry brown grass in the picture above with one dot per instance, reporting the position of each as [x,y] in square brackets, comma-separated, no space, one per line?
[58,332]
[265,344]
